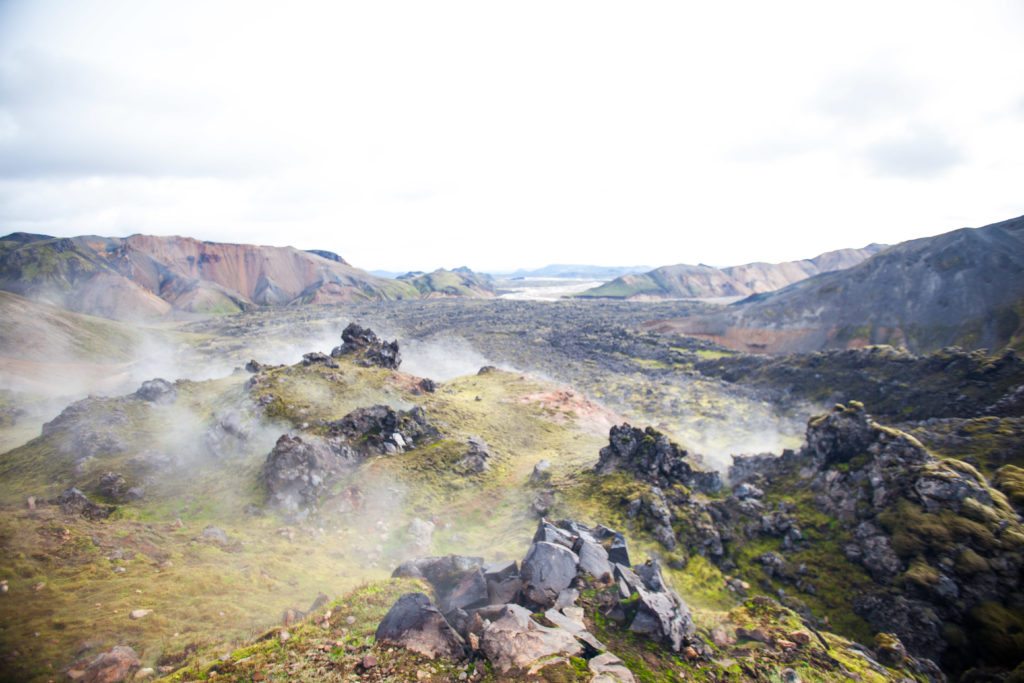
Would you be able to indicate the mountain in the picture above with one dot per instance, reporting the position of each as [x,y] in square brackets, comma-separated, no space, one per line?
[705,282]
[145,277]
[964,287]
[456,282]
[577,272]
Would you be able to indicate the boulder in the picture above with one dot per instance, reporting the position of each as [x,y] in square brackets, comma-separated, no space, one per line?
[318,358]
[549,533]
[469,592]
[514,641]
[415,624]
[74,502]
[113,486]
[298,470]
[157,391]
[607,668]
[477,456]
[594,560]
[457,580]
[113,666]
[547,570]
[663,617]
[541,473]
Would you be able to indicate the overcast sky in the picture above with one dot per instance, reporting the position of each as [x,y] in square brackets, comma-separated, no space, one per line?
[498,135]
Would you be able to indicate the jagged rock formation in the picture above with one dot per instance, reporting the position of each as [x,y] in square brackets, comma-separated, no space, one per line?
[702,282]
[382,430]
[650,455]
[368,348]
[490,605]
[944,549]
[960,288]
[144,276]
[300,467]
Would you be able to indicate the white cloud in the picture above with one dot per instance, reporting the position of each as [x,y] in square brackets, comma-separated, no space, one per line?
[408,135]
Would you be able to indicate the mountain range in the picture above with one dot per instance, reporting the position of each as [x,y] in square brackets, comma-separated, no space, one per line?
[705,282]
[964,287]
[145,277]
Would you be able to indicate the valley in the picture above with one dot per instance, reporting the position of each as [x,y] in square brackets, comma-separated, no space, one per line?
[212,562]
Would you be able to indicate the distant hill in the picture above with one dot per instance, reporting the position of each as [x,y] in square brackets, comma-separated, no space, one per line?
[577,272]
[705,282]
[964,287]
[456,282]
[143,277]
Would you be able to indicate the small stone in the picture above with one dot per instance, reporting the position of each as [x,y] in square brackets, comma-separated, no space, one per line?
[800,637]
[721,637]
[142,674]
[139,613]
[784,644]
[790,676]
[38,587]
[284,636]
[3,587]
[350,620]
[690,653]
[368,662]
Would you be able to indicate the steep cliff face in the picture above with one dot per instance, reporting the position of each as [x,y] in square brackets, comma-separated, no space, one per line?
[145,276]
[702,282]
[960,288]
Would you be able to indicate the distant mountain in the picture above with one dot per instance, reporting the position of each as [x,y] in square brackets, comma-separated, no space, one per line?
[704,282]
[577,272]
[143,276]
[456,282]
[964,287]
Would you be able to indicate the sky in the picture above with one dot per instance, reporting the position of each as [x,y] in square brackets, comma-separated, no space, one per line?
[416,135]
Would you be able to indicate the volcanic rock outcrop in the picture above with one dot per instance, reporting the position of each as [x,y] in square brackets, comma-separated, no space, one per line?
[490,606]
[368,348]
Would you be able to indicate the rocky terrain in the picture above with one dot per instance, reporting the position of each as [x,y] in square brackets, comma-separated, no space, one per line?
[449,487]
[959,288]
[707,282]
[241,499]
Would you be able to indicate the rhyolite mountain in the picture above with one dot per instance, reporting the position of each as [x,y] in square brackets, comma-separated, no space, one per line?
[456,282]
[146,277]
[685,281]
[964,287]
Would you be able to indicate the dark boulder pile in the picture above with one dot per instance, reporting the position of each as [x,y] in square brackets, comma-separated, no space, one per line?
[382,430]
[113,486]
[299,469]
[488,610]
[158,391]
[368,348]
[649,455]
[74,502]
[670,477]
